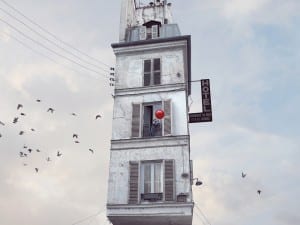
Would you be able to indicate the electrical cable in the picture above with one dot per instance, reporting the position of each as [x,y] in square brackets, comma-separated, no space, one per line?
[88,217]
[54,36]
[54,52]
[52,42]
[201,219]
[39,53]
[205,217]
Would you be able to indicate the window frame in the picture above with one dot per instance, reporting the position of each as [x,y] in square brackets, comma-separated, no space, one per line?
[152,72]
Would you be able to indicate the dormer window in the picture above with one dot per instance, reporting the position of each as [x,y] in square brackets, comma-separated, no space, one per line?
[150,30]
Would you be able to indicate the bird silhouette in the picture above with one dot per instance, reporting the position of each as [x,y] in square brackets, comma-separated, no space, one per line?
[36,169]
[38,100]
[73,114]
[22,114]
[21,132]
[243,175]
[15,120]
[77,142]
[25,155]
[21,154]
[29,150]
[38,150]
[98,116]
[259,191]
[48,159]
[32,129]
[1,123]
[25,164]
[59,154]
[19,106]
[0,135]
[75,135]
[24,146]
[91,150]
[50,110]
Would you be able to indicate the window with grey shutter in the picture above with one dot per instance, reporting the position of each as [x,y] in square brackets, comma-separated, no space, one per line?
[147,72]
[155,31]
[133,183]
[156,71]
[169,180]
[168,117]
[135,127]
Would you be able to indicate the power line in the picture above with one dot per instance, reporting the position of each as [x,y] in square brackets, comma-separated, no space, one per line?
[88,217]
[197,207]
[54,36]
[49,49]
[39,53]
[52,42]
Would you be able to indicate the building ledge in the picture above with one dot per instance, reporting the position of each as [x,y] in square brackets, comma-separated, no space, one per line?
[153,142]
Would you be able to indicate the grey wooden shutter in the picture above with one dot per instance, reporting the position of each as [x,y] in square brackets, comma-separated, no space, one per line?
[169,180]
[133,182]
[147,72]
[156,70]
[155,31]
[135,127]
[143,31]
[168,117]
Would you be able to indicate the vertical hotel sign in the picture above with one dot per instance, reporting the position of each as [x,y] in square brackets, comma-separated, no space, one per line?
[206,114]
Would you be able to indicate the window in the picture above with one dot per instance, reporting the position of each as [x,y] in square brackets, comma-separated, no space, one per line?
[152,71]
[151,181]
[144,122]
[151,126]
[149,30]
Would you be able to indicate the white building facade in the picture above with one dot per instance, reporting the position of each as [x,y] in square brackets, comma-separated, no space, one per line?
[150,174]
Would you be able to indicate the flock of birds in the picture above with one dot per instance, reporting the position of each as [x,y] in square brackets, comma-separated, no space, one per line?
[244,175]
[27,151]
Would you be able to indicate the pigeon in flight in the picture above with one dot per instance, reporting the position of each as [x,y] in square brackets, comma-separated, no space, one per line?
[22,114]
[77,142]
[25,164]
[29,150]
[21,154]
[24,146]
[25,155]
[1,123]
[259,191]
[38,100]
[36,169]
[98,116]
[15,120]
[75,135]
[243,175]
[19,106]
[38,150]
[91,150]
[32,129]
[21,133]
[0,135]
[50,110]
[73,114]
[59,154]
[48,159]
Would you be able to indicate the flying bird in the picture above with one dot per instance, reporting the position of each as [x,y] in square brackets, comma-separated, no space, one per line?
[25,155]
[0,135]
[15,120]
[24,146]
[29,150]
[243,175]
[1,123]
[59,154]
[38,150]
[73,114]
[259,191]
[75,135]
[25,164]
[22,114]
[50,110]
[32,129]
[77,142]
[21,154]
[19,106]
[98,116]
[21,133]
[91,150]
[36,169]
[48,159]
[38,100]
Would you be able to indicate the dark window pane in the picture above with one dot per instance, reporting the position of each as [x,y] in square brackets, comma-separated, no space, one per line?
[157,64]
[147,66]
[147,79]
[157,78]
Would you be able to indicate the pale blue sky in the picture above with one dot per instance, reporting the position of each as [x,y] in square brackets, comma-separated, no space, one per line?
[248,48]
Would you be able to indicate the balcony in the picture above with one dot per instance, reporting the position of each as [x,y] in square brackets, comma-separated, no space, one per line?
[151,214]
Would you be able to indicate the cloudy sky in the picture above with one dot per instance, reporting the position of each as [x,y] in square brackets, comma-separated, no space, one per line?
[248,48]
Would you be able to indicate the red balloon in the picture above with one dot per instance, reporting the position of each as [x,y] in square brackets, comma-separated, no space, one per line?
[159,114]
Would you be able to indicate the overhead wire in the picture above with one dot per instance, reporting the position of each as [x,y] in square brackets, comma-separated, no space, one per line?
[52,42]
[88,217]
[39,53]
[51,50]
[54,36]
[202,213]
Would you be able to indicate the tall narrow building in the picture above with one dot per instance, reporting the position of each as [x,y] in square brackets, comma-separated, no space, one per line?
[150,173]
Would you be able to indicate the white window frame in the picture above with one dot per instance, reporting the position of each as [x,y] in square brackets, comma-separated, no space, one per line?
[142,180]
